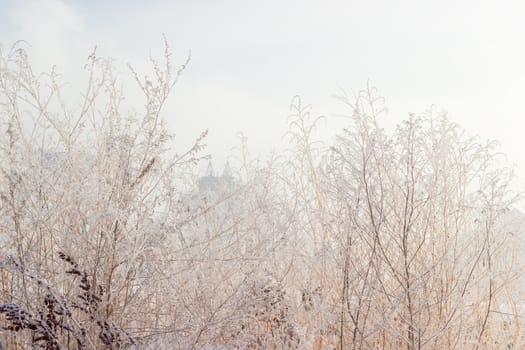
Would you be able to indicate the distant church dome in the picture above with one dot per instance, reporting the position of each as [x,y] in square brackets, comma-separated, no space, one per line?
[211,183]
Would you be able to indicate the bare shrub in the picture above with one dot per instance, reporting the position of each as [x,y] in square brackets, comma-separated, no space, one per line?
[381,240]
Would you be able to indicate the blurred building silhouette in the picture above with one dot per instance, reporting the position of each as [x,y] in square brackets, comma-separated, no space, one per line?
[210,184]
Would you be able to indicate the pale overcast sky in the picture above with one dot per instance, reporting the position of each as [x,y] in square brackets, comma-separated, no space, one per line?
[249,58]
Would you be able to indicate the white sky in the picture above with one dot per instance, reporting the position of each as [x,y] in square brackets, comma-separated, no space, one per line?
[249,58]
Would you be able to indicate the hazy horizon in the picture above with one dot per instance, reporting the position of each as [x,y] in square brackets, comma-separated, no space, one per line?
[249,60]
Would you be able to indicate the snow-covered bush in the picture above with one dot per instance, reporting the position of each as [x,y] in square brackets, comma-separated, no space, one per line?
[380,240]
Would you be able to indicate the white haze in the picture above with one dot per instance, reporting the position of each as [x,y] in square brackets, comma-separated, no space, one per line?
[250,58]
